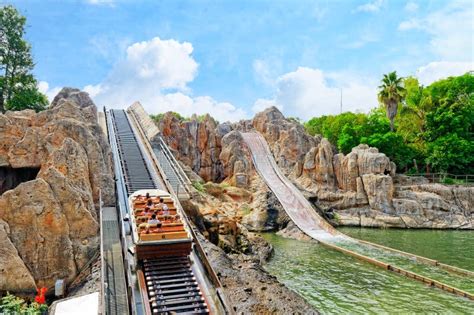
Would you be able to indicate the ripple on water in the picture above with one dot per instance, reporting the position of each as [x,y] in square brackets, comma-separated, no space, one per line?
[338,284]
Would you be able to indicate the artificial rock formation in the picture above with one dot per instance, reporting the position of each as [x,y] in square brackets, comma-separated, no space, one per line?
[50,223]
[236,159]
[362,186]
[197,143]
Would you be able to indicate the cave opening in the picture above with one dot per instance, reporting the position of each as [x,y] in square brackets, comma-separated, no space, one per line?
[12,177]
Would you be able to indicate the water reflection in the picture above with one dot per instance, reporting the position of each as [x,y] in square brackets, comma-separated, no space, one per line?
[335,283]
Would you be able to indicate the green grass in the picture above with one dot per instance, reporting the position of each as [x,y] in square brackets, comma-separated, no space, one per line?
[245,209]
[199,186]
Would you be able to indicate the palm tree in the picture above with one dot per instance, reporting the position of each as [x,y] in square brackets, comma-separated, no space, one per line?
[391,93]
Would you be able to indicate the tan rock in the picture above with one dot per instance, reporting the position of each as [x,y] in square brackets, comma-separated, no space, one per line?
[52,219]
[67,175]
[11,133]
[195,143]
[39,231]
[14,275]
[287,140]
[29,151]
[379,189]
[236,160]
[370,161]
[346,170]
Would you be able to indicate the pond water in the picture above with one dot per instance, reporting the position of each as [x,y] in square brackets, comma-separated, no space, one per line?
[338,284]
[451,247]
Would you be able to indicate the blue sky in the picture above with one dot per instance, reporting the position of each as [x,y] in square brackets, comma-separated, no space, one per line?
[233,58]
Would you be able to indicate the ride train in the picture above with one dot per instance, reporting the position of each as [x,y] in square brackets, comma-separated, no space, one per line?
[163,244]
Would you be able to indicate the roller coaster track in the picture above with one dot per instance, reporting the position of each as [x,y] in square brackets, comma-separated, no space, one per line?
[170,168]
[173,284]
[305,217]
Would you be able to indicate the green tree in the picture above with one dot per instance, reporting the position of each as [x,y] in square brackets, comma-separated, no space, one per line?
[331,126]
[314,126]
[390,94]
[158,117]
[18,87]
[349,138]
[449,125]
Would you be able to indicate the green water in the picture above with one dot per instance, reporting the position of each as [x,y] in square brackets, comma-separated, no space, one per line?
[338,284]
[454,248]
[436,273]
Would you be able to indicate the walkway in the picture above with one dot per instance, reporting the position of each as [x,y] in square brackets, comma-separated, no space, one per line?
[116,299]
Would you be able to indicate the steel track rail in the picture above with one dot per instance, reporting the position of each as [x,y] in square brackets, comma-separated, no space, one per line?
[138,174]
[214,290]
[259,149]
[170,167]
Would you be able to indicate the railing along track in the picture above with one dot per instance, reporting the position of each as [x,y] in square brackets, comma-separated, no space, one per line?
[138,174]
[219,296]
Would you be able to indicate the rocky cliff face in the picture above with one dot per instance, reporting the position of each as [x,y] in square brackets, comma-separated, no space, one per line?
[49,225]
[195,143]
[362,186]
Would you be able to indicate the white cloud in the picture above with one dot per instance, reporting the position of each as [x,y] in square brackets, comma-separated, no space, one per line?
[50,93]
[187,106]
[411,6]
[101,2]
[439,70]
[306,93]
[262,71]
[451,30]
[167,62]
[373,6]
[262,103]
[93,90]
[156,73]
[409,25]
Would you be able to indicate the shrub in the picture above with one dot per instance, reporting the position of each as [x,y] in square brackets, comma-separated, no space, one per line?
[199,186]
[10,304]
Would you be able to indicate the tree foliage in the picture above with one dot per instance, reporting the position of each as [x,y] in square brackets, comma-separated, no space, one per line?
[331,126]
[434,127]
[449,125]
[390,94]
[18,87]
[158,117]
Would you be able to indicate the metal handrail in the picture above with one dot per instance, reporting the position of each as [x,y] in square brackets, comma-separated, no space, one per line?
[439,177]
[182,177]
[102,259]
[121,194]
[175,164]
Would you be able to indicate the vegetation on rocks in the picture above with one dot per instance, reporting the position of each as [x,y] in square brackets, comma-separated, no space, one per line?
[198,186]
[433,129]
[159,117]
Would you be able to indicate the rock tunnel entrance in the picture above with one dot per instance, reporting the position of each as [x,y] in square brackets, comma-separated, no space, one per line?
[12,177]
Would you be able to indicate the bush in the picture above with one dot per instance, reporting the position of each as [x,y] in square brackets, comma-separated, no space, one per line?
[448,181]
[199,186]
[10,304]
